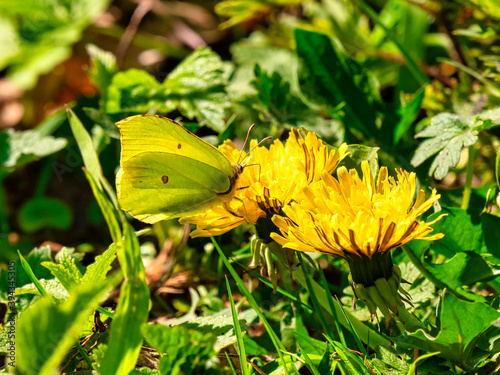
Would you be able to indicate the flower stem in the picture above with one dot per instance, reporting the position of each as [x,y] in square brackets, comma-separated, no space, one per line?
[468,179]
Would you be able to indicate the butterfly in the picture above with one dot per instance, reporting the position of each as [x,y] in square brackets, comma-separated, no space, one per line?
[168,172]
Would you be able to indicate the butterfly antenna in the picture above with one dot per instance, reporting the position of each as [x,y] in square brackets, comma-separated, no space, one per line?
[240,159]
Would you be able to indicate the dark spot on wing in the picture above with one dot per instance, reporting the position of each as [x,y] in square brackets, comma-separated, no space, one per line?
[179,146]
[164,179]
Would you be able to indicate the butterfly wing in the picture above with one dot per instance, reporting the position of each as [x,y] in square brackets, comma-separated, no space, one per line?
[154,186]
[153,133]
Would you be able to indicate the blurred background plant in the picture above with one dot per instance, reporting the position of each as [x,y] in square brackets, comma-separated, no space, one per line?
[419,80]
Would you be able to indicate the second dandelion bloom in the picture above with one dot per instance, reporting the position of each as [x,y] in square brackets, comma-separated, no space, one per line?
[350,216]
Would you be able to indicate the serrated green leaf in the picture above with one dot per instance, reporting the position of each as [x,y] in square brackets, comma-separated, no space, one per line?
[219,325]
[197,87]
[389,361]
[457,337]
[183,350]
[40,213]
[102,264]
[21,147]
[46,331]
[328,77]
[66,271]
[52,287]
[103,68]
[136,90]
[447,136]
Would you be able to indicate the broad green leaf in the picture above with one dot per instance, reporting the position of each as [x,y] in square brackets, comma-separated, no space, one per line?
[21,147]
[46,331]
[65,270]
[251,52]
[464,269]
[136,90]
[197,88]
[358,153]
[447,135]
[41,213]
[457,337]
[183,350]
[328,77]
[407,113]
[219,325]
[462,232]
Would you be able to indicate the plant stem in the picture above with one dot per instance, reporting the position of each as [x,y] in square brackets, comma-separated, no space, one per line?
[468,179]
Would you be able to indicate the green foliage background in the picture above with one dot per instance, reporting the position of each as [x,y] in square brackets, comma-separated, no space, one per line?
[410,84]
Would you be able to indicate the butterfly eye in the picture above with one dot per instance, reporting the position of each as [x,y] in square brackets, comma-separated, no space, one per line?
[164,179]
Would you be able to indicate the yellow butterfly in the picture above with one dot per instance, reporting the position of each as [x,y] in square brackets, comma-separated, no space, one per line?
[168,172]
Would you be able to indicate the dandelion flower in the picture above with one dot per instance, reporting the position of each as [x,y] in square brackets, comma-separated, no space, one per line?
[273,178]
[361,220]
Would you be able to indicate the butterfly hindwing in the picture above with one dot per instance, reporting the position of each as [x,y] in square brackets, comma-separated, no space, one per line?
[154,186]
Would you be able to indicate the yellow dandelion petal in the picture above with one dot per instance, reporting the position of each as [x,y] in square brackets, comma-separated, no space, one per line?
[358,216]
[274,177]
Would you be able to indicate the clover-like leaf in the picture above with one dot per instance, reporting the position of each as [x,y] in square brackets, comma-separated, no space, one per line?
[447,135]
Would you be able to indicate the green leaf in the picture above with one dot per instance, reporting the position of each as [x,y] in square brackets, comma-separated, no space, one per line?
[183,350]
[136,90]
[388,361]
[447,135]
[97,271]
[219,325]
[37,35]
[197,88]
[457,337]
[40,213]
[359,153]
[34,260]
[52,287]
[103,68]
[464,269]
[407,113]
[245,370]
[65,271]
[328,77]
[86,146]
[133,307]
[22,147]
[46,331]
